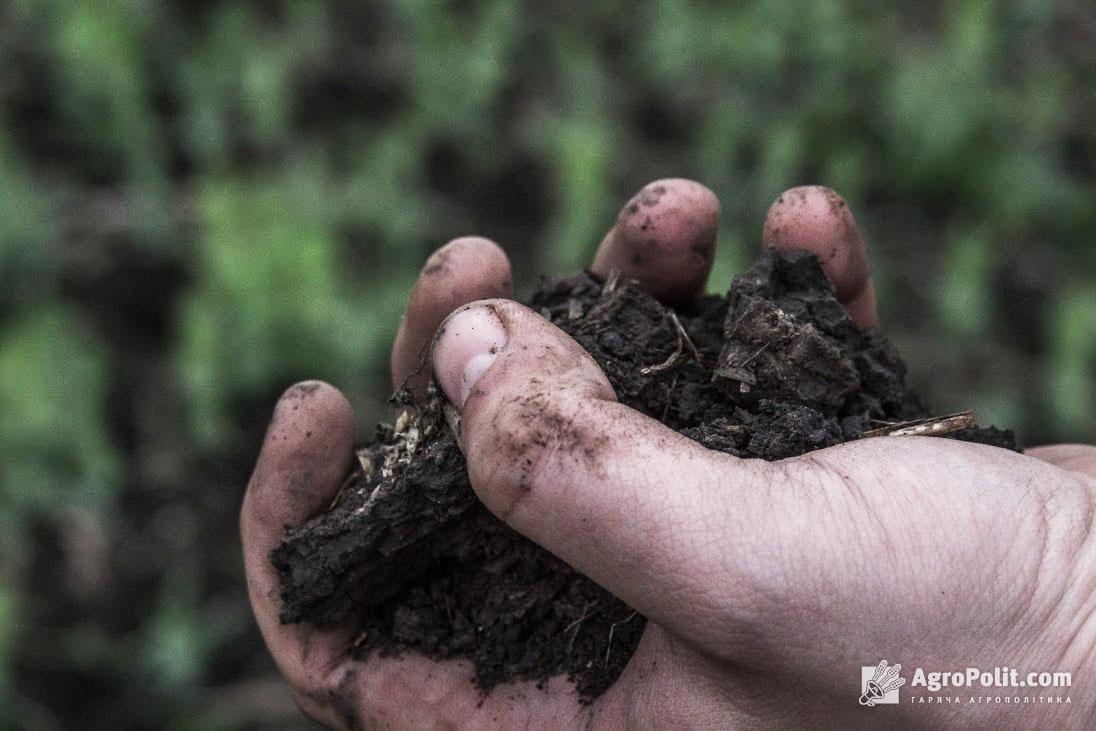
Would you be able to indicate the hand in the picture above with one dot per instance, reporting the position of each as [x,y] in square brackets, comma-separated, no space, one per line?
[767,585]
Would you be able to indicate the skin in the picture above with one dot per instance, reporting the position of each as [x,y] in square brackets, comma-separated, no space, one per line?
[767,585]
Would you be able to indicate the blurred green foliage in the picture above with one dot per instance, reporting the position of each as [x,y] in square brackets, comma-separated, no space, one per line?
[52,417]
[27,232]
[269,305]
[202,202]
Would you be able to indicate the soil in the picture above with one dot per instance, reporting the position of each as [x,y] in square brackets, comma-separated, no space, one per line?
[411,558]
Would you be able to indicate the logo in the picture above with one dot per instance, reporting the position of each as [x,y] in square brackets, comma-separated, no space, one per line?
[880,684]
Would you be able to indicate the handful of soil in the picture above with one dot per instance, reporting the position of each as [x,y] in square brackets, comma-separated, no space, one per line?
[410,558]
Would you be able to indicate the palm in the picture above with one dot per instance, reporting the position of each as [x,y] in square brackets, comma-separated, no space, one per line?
[412,691]
[925,549]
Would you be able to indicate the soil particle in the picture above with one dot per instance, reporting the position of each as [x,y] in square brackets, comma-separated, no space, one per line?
[415,563]
[437,264]
[301,390]
[837,203]
[651,195]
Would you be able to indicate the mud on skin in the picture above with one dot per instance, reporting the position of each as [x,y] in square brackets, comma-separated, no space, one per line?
[411,559]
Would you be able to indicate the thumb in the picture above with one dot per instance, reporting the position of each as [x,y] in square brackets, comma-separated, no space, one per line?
[617,495]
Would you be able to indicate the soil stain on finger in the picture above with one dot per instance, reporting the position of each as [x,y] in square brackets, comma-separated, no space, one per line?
[437,264]
[650,196]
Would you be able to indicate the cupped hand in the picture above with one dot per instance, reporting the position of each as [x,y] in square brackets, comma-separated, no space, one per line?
[767,585]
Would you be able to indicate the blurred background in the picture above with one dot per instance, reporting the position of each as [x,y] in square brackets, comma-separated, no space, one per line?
[203,202]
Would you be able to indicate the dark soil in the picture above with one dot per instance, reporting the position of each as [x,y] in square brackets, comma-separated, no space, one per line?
[410,557]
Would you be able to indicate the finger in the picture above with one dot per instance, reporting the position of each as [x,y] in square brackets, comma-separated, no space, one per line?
[664,238]
[304,459]
[1074,457]
[464,270]
[305,456]
[619,496]
[817,219]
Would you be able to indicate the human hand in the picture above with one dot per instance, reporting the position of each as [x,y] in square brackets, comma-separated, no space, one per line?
[767,585]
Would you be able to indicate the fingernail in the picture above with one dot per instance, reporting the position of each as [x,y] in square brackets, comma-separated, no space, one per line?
[466,346]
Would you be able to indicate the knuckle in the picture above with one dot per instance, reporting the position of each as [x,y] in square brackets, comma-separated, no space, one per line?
[522,435]
[533,440]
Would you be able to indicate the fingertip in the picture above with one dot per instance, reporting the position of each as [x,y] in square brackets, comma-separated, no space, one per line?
[465,253]
[466,269]
[818,219]
[664,238]
[305,454]
[467,343]
[526,345]
[308,405]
